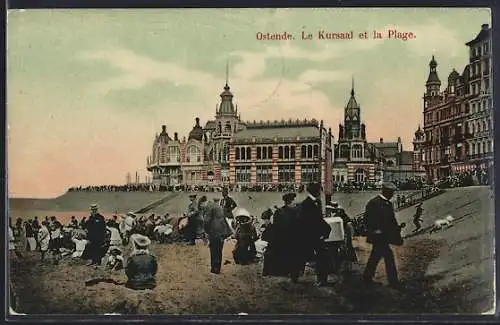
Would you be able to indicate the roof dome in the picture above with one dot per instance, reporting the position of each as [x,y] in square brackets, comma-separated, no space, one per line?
[197,131]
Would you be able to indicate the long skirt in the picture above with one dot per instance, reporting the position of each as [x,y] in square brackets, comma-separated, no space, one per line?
[276,263]
[31,244]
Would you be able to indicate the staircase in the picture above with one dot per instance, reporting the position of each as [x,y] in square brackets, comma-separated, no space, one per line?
[157,203]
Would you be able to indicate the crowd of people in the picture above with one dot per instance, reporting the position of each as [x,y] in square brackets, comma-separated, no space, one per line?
[147,187]
[289,237]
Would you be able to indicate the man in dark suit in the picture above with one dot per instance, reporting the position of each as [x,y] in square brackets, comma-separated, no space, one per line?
[382,231]
[227,203]
[309,231]
[96,235]
[217,230]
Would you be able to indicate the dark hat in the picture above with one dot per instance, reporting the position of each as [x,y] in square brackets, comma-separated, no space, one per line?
[389,186]
[314,188]
[266,215]
[289,196]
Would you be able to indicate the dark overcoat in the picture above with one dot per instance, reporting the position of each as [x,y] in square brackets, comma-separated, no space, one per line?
[379,215]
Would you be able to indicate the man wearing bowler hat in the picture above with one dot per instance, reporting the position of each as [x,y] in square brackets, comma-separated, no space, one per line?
[192,215]
[382,231]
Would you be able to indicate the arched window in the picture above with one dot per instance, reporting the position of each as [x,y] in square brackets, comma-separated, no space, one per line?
[280,152]
[242,154]
[193,154]
[303,151]
[249,153]
[269,152]
[225,153]
[264,153]
[473,148]
[174,154]
[259,153]
[478,127]
[316,151]
[287,152]
[357,151]
[485,126]
[237,153]
[292,152]
[484,147]
[228,127]
[309,151]
[490,149]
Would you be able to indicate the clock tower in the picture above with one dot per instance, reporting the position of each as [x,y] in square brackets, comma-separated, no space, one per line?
[352,149]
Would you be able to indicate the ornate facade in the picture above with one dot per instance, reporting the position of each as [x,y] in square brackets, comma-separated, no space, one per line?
[458,123]
[230,151]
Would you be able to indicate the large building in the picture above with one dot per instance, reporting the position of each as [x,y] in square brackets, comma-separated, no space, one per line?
[458,119]
[358,161]
[480,117]
[228,151]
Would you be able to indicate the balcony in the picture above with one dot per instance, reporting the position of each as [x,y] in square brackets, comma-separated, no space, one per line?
[488,155]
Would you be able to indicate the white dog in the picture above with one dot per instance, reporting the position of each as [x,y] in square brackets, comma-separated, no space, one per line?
[440,224]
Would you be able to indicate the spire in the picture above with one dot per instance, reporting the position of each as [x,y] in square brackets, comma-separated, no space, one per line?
[433,76]
[227,72]
[352,86]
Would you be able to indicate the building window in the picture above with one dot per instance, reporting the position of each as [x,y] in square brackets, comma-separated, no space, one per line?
[310,173]
[228,127]
[264,174]
[243,174]
[225,153]
[316,151]
[280,152]
[292,152]
[174,154]
[357,151]
[303,151]
[287,152]
[193,154]
[259,152]
[484,147]
[286,174]
[309,151]
[249,153]
[490,149]
[242,153]
[163,155]
[237,153]
[269,152]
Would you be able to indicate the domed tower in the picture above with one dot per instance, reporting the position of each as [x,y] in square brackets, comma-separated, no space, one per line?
[418,149]
[197,131]
[432,86]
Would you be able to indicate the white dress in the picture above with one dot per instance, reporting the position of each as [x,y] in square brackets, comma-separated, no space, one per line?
[116,239]
[80,247]
[44,238]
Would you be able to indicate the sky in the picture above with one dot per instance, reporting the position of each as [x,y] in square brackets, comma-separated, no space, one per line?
[88,89]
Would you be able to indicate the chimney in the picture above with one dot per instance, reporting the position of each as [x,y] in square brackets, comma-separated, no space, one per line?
[484,26]
[381,140]
[197,121]
[176,138]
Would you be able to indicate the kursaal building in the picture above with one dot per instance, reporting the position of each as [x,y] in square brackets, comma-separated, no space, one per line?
[229,151]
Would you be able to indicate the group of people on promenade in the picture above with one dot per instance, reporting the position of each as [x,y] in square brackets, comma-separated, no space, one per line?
[296,235]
